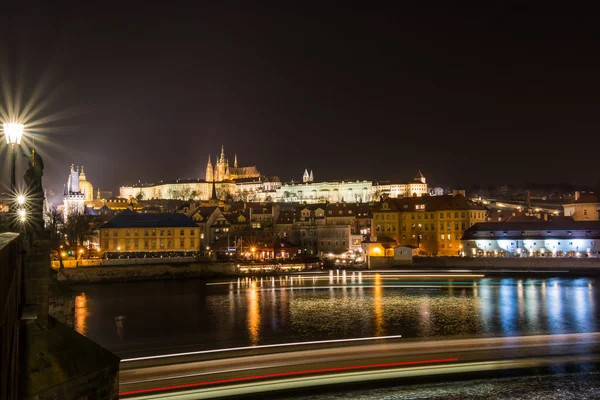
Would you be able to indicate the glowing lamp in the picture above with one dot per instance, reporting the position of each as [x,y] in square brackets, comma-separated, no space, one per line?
[13,132]
[21,199]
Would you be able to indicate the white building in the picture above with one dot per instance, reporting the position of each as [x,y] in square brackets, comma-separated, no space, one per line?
[73,197]
[562,237]
[417,187]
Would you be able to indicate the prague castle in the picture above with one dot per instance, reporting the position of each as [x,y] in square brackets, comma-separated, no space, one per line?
[247,184]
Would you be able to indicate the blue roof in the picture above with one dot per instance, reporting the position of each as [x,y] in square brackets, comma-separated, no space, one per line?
[131,219]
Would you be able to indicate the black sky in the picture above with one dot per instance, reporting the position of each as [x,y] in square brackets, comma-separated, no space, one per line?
[468,92]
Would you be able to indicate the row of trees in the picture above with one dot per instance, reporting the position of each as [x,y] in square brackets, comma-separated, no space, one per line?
[74,234]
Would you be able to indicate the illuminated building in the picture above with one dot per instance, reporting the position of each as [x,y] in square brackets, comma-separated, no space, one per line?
[320,192]
[149,233]
[73,197]
[222,171]
[585,207]
[417,187]
[561,237]
[434,224]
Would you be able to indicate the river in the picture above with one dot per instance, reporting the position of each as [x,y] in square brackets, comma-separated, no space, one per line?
[160,317]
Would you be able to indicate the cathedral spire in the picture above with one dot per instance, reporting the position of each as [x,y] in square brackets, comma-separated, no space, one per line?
[311,177]
[305,176]
[209,176]
[222,153]
[235,161]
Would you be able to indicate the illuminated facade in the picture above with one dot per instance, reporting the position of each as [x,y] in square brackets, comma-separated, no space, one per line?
[434,224]
[585,207]
[73,197]
[561,237]
[149,233]
[222,171]
[417,187]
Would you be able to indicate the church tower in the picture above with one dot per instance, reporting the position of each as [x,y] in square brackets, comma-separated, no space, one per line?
[209,171]
[311,177]
[235,164]
[73,198]
[305,176]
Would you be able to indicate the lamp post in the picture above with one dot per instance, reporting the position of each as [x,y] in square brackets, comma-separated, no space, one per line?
[13,132]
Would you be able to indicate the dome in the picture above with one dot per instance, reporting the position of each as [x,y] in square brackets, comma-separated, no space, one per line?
[86,187]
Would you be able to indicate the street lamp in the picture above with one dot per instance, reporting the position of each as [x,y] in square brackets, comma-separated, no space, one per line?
[13,132]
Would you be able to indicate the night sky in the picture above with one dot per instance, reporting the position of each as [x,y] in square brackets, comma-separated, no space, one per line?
[472,94]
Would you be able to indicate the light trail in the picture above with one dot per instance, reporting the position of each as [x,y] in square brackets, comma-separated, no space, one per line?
[311,382]
[284,374]
[264,346]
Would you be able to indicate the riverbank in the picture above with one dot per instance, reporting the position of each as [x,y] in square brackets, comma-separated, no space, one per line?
[489,266]
[130,273]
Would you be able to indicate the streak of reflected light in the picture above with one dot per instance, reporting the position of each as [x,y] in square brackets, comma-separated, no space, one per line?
[81,314]
[264,346]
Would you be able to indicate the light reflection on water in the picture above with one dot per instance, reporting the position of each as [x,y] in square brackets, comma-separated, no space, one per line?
[339,305]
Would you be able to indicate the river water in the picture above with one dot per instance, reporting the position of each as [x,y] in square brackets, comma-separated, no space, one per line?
[159,317]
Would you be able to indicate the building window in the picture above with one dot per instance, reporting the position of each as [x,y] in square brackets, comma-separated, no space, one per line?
[443,246]
[584,212]
[153,232]
[426,215]
[442,226]
[462,225]
[449,227]
[192,242]
[126,232]
[456,237]
[442,237]
[181,243]
[169,244]
[442,215]
[462,214]
[136,244]
[146,244]
[114,233]
[169,232]
[426,227]
[162,232]
[154,243]
[106,244]
[145,232]
[182,233]
[192,232]
[162,243]
[135,232]
[116,244]
[456,226]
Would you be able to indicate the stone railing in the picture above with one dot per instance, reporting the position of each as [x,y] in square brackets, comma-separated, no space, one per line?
[11,285]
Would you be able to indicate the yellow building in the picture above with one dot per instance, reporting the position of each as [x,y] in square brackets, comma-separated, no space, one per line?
[434,224]
[130,232]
